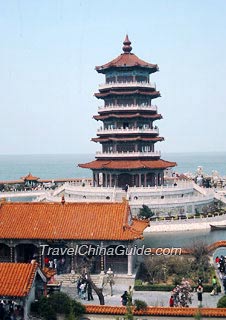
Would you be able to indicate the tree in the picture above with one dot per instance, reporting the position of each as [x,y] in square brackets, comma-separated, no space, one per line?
[155,268]
[199,251]
[145,213]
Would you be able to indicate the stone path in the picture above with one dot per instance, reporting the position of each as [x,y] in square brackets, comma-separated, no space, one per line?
[152,298]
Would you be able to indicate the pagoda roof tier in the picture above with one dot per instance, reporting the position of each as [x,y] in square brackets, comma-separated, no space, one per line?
[127,60]
[100,95]
[139,138]
[155,116]
[128,164]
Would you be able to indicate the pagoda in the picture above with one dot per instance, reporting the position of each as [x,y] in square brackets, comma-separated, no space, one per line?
[128,133]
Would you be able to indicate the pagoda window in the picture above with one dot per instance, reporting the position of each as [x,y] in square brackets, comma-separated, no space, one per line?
[143,101]
[110,79]
[128,147]
[109,102]
[125,101]
[146,148]
[124,78]
[125,125]
[142,79]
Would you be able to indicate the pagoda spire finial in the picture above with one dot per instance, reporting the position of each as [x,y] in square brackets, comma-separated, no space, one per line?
[127,45]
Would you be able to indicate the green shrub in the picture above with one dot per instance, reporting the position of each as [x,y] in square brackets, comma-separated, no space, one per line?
[138,282]
[154,287]
[45,310]
[140,304]
[221,302]
[78,308]
[177,280]
[60,302]
[34,307]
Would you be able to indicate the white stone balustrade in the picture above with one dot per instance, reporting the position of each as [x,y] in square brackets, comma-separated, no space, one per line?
[128,154]
[128,84]
[127,130]
[127,107]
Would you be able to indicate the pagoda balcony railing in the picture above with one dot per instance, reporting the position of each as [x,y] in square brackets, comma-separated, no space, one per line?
[128,154]
[128,84]
[127,107]
[127,130]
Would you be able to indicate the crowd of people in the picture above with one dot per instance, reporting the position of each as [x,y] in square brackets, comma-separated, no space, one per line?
[55,263]
[84,289]
[221,266]
[10,310]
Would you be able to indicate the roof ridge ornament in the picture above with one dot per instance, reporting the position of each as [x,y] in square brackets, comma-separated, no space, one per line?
[127,45]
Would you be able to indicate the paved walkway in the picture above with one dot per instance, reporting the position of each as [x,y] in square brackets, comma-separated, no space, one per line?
[152,298]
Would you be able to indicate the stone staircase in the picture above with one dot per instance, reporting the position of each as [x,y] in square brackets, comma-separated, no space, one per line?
[70,280]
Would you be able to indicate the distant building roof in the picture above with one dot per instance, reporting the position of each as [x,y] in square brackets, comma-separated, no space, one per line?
[128,164]
[127,59]
[30,177]
[16,278]
[83,221]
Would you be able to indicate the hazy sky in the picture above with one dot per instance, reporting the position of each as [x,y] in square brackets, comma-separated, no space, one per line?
[47,79]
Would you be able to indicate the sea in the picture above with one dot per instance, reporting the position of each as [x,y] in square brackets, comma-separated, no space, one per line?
[52,166]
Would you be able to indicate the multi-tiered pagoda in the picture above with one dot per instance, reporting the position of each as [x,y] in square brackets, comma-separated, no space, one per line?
[128,134]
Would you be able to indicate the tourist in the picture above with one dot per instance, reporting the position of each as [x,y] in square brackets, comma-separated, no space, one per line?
[171,302]
[55,263]
[79,282]
[124,298]
[214,284]
[89,291]
[83,290]
[2,311]
[51,264]
[224,283]
[46,261]
[130,295]
[200,281]
[199,294]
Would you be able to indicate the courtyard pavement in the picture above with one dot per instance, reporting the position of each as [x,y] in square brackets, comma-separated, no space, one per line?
[152,298]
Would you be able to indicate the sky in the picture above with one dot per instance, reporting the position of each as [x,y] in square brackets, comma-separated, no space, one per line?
[49,49]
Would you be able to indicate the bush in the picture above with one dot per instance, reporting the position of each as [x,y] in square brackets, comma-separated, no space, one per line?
[60,302]
[140,304]
[77,308]
[57,303]
[154,287]
[34,307]
[45,310]
[145,213]
[222,302]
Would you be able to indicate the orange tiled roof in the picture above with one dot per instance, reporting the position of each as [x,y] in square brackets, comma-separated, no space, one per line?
[84,221]
[130,164]
[158,311]
[16,278]
[30,177]
[154,94]
[126,60]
